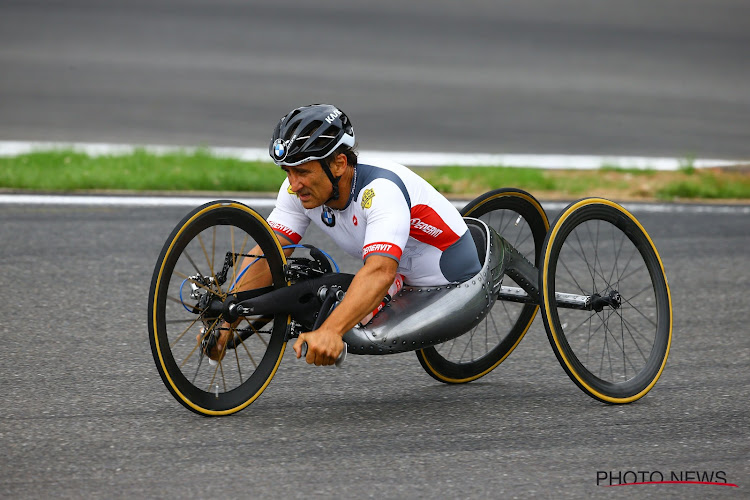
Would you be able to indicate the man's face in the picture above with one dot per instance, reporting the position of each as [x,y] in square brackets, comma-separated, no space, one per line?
[309,183]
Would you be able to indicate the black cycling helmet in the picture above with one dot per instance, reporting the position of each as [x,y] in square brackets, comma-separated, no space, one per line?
[311,133]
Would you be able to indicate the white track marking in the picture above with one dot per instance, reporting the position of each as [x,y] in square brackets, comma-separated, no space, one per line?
[412,159]
[258,202]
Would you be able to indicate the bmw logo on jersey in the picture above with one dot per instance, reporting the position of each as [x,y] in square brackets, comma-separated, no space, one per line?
[327,216]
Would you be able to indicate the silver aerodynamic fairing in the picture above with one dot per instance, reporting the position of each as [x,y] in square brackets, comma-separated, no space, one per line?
[419,317]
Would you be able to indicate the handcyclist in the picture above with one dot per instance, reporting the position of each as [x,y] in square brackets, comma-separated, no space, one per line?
[376,210]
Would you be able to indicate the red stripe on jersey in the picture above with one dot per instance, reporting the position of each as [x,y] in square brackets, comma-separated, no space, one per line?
[288,233]
[428,227]
[382,247]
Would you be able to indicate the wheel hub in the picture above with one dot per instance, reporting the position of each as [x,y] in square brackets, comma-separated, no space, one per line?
[612,299]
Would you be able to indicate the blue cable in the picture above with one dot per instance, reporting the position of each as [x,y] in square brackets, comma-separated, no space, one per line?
[336,266]
[239,276]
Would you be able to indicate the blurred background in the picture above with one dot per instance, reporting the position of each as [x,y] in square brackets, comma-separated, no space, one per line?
[644,77]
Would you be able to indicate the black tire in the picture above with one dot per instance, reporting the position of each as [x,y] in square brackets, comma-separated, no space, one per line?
[520,219]
[617,354]
[199,246]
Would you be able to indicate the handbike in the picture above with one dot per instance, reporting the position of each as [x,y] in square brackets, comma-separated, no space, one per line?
[594,273]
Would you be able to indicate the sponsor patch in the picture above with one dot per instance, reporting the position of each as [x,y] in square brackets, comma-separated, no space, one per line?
[367,197]
[327,216]
[382,247]
[426,228]
[293,237]
[290,191]
[279,149]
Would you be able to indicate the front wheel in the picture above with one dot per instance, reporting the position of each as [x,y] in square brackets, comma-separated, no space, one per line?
[195,273]
[614,341]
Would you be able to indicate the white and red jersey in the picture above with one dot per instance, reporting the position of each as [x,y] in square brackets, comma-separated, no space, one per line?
[392,212]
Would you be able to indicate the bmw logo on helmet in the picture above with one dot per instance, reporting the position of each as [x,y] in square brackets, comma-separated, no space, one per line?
[279,149]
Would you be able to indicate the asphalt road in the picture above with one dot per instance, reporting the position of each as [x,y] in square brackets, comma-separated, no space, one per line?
[643,77]
[85,414]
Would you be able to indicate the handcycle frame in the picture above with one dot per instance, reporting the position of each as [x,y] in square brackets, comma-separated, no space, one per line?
[419,316]
[427,319]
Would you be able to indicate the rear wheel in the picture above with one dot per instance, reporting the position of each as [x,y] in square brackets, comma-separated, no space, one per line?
[193,276]
[520,219]
[615,349]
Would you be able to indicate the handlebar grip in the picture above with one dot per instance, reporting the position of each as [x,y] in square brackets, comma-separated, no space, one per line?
[339,361]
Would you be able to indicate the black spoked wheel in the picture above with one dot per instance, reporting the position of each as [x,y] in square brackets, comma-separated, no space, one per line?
[616,347]
[196,271]
[520,219]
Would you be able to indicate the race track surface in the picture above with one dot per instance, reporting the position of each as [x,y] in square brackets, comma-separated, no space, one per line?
[643,77]
[85,414]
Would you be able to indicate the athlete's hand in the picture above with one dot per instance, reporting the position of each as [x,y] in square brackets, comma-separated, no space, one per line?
[323,347]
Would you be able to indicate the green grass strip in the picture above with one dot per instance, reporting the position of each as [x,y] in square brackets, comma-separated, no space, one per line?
[199,170]
[704,185]
[139,171]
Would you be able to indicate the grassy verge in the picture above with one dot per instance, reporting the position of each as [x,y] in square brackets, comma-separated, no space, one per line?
[68,171]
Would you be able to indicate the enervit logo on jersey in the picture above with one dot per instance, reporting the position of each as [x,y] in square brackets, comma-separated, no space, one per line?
[428,229]
[281,228]
[377,247]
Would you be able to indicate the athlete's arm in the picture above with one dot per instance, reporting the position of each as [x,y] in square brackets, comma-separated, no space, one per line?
[258,273]
[365,293]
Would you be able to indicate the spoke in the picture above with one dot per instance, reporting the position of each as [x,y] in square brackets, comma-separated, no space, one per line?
[575,329]
[179,337]
[175,299]
[622,347]
[638,310]
[650,286]
[176,321]
[631,273]
[208,261]
[623,276]
[585,260]
[495,327]
[632,328]
[235,258]
[595,243]
[622,339]
[213,247]
[192,262]
[234,255]
[609,353]
[626,358]
[198,343]
[503,225]
[617,253]
[570,273]
[237,357]
[505,310]
[466,346]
